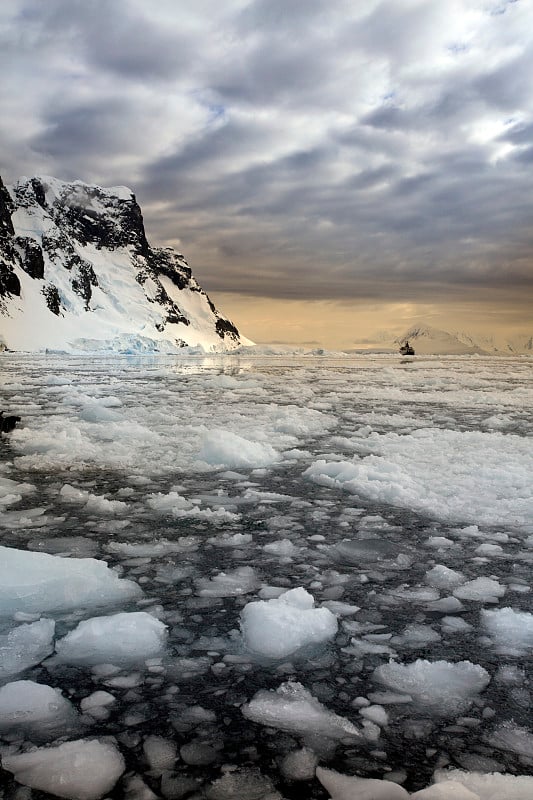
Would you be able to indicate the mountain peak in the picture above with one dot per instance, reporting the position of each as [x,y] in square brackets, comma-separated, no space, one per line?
[77,272]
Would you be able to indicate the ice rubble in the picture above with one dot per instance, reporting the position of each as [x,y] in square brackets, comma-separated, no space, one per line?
[38,582]
[85,769]
[422,471]
[275,628]
[123,638]
[405,579]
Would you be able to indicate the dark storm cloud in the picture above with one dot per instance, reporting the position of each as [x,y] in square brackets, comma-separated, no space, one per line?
[295,149]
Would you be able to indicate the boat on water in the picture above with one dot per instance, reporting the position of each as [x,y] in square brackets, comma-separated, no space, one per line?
[407,350]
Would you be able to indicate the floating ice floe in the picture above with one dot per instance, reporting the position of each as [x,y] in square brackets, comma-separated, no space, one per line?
[38,582]
[486,590]
[489,786]
[24,646]
[291,707]
[241,580]
[438,687]
[85,769]
[275,628]
[511,631]
[36,711]
[347,787]
[226,449]
[124,638]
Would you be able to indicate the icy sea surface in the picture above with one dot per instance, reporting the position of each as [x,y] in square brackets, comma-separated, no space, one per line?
[313,561]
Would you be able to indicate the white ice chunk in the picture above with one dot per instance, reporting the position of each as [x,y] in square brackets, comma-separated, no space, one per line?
[442,577]
[242,784]
[160,753]
[439,687]
[228,449]
[35,710]
[512,738]
[25,646]
[283,547]
[451,790]
[489,786]
[512,631]
[347,787]
[40,582]
[79,770]
[293,708]
[241,580]
[376,714]
[123,638]
[275,628]
[299,765]
[486,590]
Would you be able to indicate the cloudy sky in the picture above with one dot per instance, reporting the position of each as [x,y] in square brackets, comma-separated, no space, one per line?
[329,167]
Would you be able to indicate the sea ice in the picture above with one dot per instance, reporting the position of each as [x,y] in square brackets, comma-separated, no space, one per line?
[241,580]
[490,786]
[226,449]
[275,628]
[439,687]
[124,638]
[442,577]
[25,646]
[160,753]
[511,631]
[293,708]
[347,787]
[85,769]
[299,765]
[38,582]
[486,590]
[35,710]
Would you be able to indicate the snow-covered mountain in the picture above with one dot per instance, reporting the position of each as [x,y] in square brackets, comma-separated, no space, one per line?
[427,340]
[77,273]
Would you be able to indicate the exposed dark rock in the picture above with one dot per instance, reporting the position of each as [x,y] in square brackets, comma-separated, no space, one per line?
[6,209]
[226,328]
[32,260]
[84,280]
[9,282]
[7,424]
[39,191]
[53,300]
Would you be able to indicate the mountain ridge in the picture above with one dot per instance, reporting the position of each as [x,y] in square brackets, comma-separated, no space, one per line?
[77,273]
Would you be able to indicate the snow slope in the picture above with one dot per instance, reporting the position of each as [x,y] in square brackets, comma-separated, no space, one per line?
[78,274]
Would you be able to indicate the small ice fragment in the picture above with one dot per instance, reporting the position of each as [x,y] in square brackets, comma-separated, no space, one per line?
[35,710]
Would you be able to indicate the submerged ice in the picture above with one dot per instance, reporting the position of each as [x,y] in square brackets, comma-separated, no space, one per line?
[218,574]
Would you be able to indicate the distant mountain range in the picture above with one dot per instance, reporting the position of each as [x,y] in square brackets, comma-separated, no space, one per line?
[78,274]
[427,340]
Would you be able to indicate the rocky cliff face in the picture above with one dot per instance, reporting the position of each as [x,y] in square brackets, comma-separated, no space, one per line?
[77,273]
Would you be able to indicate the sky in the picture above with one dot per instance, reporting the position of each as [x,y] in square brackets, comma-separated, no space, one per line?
[331,169]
